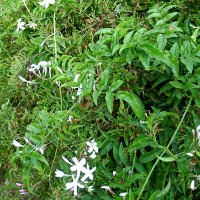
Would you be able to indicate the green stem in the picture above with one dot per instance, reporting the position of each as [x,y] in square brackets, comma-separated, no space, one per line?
[174,135]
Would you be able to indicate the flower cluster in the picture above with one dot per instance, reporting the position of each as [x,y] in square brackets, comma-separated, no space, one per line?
[82,174]
[82,169]
[22,25]
[36,70]
[93,149]
[17,144]
[46,3]
[22,191]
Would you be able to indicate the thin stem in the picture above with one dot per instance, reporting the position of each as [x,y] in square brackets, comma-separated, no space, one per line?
[174,135]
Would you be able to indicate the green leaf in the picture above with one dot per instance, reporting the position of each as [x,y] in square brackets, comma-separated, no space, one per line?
[104,80]
[156,53]
[141,141]
[96,94]
[154,195]
[105,30]
[175,50]
[145,60]
[139,176]
[167,159]
[162,41]
[38,157]
[122,155]
[154,15]
[26,177]
[115,85]
[188,62]
[128,37]
[149,156]
[177,84]
[109,101]
[134,101]
[165,190]
[116,48]
[43,115]
[170,16]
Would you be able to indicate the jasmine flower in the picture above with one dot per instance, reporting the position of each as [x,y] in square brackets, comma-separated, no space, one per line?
[88,173]
[60,174]
[92,146]
[20,25]
[46,3]
[73,185]
[32,25]
[17,144]
[192,185]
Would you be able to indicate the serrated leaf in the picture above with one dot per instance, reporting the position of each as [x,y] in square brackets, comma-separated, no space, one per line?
[109,101]
[134,101]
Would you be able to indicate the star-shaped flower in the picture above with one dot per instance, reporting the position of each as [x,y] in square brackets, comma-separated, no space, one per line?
[46,3]
[73,185]
[88,173]
[20,25]
[92,146]
[79,166]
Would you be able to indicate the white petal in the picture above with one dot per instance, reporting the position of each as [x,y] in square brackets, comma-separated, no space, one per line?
[67,161]
[123,194]
[192,185]
[17,144]
[93,155]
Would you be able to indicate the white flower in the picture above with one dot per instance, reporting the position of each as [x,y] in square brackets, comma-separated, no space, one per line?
[40,149]
[79,92]
[93,155]
[76,78]
[190,154]
[17,144]
[92,146]
[73,185]
[24,80]
[46,3]
[44,63]
[20,25]
[60,174]
[88,173]
[114,173]
[90,189]
[32,25]
[60,70]
[70,119]
[73,97]
[20,184]
[79,166]
[123,194]
[192,185]
[105,187]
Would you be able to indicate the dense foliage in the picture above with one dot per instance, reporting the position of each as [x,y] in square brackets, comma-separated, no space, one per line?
[99,99]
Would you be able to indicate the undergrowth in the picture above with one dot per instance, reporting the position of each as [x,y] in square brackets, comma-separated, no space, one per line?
[99,99]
